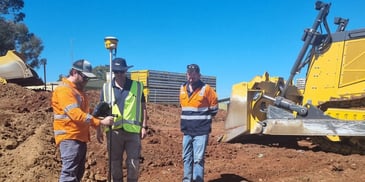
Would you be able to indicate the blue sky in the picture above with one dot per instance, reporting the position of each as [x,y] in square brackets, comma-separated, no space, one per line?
[234,40]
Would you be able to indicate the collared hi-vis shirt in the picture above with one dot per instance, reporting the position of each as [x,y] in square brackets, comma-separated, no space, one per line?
[197,109]
[127,104]
[71,113]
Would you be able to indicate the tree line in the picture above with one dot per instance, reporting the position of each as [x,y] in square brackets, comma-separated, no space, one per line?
[14,34]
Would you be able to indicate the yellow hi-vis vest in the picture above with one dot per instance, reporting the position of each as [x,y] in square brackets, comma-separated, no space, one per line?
[130,117]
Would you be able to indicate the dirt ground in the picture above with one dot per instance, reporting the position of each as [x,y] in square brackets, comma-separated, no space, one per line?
[28,153]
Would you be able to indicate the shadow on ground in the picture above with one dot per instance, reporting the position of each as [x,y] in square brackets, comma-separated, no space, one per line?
[229,178]
[279,141]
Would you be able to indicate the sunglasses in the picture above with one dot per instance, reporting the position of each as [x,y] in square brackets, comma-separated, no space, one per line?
[84,77]
[192,67]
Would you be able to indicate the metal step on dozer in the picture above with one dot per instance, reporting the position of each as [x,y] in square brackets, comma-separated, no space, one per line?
[329,108]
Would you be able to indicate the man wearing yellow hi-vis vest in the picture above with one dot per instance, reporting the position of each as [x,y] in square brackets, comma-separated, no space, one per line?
[130,121]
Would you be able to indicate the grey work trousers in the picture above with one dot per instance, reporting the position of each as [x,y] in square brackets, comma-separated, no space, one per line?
[130,143]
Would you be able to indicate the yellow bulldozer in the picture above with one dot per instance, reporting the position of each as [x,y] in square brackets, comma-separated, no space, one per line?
[14,70]
[329,108]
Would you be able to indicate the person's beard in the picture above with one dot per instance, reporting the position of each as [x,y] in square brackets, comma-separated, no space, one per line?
[81,85]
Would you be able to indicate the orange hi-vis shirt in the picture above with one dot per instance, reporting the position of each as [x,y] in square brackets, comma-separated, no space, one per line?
[197,109]
[71,113]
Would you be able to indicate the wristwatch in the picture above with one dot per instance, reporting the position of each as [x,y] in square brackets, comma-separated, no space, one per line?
[145,127]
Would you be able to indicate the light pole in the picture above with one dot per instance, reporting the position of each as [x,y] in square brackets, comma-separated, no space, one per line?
[44,62]
[110,44]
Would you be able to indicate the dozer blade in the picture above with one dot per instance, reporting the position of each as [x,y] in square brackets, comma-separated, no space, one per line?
[14,70]
[282,122]
[312,127]
[236,122]
[13,67]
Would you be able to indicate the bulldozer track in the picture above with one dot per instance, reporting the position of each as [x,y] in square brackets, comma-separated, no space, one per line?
[347,145]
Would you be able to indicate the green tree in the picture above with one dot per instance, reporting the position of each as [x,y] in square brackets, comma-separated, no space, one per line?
[14,35]
[11,9]
[100,71]
[60,76]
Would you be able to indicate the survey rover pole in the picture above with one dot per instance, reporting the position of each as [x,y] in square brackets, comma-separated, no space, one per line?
[111,45]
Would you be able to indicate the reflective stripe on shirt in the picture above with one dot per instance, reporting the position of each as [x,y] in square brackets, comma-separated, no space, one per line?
[194,109]
[59,132]
[60,116]
[127,122]
[197,117]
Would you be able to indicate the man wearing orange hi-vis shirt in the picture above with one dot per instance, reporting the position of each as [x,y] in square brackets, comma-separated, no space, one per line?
[72,120]
[199,104]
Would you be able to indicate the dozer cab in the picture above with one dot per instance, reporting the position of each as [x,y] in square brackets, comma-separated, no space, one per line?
[329,108]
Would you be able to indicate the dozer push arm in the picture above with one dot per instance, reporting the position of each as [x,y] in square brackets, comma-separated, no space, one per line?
[309,38]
